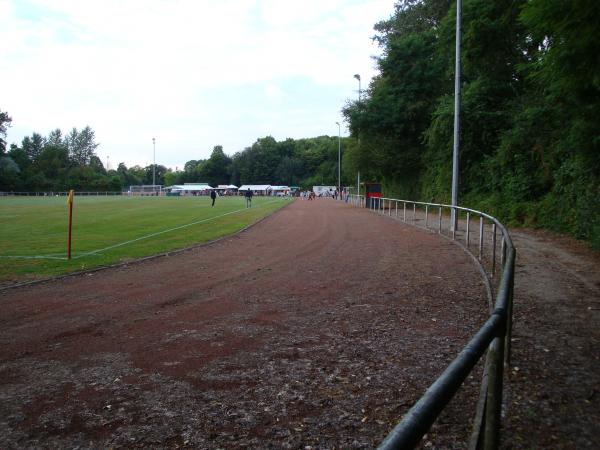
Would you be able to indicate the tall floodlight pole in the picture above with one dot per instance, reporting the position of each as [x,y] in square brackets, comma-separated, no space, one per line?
[154,164]
[456,148]
[357,76]
[339,159]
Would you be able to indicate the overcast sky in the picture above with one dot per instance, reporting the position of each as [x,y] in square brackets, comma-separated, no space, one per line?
[191,73]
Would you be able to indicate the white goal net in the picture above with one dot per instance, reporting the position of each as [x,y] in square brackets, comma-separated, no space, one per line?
[145,189]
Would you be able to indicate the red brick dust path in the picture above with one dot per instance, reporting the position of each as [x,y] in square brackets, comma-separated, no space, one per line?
[318,327]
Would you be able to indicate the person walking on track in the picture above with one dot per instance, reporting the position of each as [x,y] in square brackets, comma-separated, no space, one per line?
[248,196]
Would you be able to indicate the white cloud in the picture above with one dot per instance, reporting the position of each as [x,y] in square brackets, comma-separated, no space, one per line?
[187,72]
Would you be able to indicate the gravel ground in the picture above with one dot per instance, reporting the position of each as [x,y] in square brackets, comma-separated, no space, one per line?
[553,387]
[317,328]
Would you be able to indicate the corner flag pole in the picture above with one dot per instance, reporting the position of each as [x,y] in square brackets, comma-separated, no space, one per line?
[70,203]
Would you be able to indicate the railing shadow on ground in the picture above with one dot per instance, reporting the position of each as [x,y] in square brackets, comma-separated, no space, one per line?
[490,245]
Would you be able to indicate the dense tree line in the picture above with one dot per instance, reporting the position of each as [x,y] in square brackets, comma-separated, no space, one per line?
[59,163]
[301,162]
[530,110]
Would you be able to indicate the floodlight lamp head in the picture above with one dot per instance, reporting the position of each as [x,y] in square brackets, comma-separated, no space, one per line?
[357,76]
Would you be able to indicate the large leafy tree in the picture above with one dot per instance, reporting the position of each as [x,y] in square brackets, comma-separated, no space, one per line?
[5,121]
[530,109]
[81,145]
[492,49]
[150,174]
[53,165]
[217,169]
[9,174]
[9,169]
[395,111]
[33,146]
[548,166]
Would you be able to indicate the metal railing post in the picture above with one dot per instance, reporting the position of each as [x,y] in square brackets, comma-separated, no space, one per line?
[509,312]
[440,221]
[493,409]
[468,223]
[426,210]
[455,225]
[404,217]
[480,237]
[493,249]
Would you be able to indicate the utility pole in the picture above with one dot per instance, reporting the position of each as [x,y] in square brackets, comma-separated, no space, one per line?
[154,164]
[357,76]
[456,147]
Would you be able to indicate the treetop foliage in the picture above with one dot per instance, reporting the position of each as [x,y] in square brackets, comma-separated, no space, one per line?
[530,109]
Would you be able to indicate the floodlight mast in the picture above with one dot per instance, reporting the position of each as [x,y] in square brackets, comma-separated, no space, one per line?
[456,146]
[154,164]
[357,76]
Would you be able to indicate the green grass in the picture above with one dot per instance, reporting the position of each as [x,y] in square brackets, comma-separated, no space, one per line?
[34,229]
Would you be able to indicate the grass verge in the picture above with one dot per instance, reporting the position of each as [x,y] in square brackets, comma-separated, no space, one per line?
[110,230]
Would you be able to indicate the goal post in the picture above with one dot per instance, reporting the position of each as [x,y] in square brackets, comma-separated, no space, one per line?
[146,190]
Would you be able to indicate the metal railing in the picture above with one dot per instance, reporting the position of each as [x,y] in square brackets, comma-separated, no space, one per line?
[494,336]
[58,193]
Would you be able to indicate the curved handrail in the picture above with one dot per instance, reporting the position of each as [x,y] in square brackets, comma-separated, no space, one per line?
[494,335]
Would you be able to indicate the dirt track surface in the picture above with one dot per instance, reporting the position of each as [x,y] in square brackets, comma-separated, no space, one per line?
[317,328]
[553,388]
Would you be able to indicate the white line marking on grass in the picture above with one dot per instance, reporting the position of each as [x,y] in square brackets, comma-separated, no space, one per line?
[158,233]
[33,257]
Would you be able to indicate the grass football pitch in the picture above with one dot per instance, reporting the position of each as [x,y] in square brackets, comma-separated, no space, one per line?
[109,230]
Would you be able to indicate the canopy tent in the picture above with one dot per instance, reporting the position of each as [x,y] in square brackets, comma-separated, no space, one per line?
[255,187]
[260,189]
[191,187]
[280,190]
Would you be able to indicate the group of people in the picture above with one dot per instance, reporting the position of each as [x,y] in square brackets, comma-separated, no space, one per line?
[310,195]
[305,195]
[248,195]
